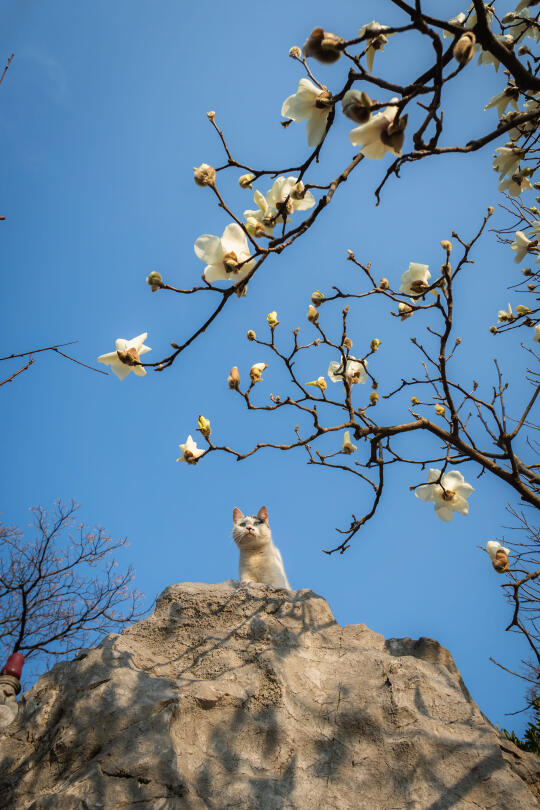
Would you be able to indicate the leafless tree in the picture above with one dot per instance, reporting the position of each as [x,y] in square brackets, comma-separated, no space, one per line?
[62,589]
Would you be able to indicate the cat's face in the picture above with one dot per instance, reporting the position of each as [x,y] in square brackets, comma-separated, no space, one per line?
[251,531]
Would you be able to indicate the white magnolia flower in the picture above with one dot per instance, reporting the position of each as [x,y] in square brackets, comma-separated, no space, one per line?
[507,159]
[376,39]
[355,370]
[415,280]
[486,57]
[471,22]
[348,447]
[459,19]
[126,356]
[498,555]
[190,452]
[263,215]
[515,184]
[536,228]
[449,496]
[310,104]
[493,547]
[536,337]
[506,315]
[375,138]
[286,196]
[521,246]
[509,95]
[226,258]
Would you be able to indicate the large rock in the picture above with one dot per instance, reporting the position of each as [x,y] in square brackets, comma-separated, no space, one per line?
[242,697]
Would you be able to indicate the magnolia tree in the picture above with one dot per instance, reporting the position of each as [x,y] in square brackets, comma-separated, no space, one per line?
[471,431]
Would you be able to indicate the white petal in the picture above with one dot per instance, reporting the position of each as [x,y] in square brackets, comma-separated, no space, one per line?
[460,505]
[444,513]
[296,108]
[492,547]
[137,342]
[315,127]
[216,272]
[425,492]
[138,370]
[208,249]
[107,359]
[332,371]
[234,239]
[433,475]
[144,349]
[307,201]
[121,345]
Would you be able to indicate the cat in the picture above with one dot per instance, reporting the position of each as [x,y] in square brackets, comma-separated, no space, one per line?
[260,560]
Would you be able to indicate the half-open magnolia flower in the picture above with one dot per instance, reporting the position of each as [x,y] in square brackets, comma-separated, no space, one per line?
[286,196]
[509,95]
[521,246]
[376,38]
[507,159]
[348,447]
[486,57]
[190,452]
[515,184]
[506,315]
[449,495]
[415,280]
[355,370]
[381,134]
[498,555]
[310,104]
[227,259]
[126,356]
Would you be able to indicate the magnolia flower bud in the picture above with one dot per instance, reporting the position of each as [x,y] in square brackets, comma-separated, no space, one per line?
[245,180]
[312,315]
[298,191]
[439,410]
[295,52]
[323,46]
[272,319]
[374,345]
[254,227]
[256,371]
[527,271]
[204,175]
[464,48]
[241,292]
[356,105]
[500,562]
[233,380]
[374,397]
[405,311]
[446,245]
[204,426]
[522,310]
[534,210]
[384,284]
[348,447]
[250,334]
[490,210]
[394,134]
[347,342]
[415,400]
[317,298]
[320,383]
[211,115]
[493,330]
[154,280]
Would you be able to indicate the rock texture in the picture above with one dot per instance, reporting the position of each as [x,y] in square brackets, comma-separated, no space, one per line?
[254,698]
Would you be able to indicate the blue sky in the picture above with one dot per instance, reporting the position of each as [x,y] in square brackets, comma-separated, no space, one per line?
[103,118]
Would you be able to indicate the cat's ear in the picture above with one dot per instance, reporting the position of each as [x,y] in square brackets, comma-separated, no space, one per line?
[262,514]
[237,515]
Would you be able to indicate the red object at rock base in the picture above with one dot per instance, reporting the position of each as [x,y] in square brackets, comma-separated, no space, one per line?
[14,665]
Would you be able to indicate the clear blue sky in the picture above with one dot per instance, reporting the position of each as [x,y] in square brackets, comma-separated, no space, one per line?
[103,116]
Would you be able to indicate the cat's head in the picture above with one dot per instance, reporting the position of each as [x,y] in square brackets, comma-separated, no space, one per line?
[251,531]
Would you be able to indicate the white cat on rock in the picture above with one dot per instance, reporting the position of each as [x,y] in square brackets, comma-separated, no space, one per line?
[260,560]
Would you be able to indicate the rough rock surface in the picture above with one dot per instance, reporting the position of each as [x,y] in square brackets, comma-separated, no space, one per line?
[254,698]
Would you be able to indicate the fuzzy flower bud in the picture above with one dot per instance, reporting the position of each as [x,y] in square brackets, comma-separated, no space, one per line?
[210,115]
[446,245]
[295,52]
[317,298]
[233,380]
[323,46]
[464,48]
[527,271]
[439,410]
[384,284]
[204,175]
[250,334]
[348,447]
[347,342]
[522,310]
[493,330]
[256,371]
[374,345]
[312,315]
[272,319]
[245,180]
[204,426]
[374,397]
[320,383]
[405,311]
[356,105]
[154,280]
[415,400]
